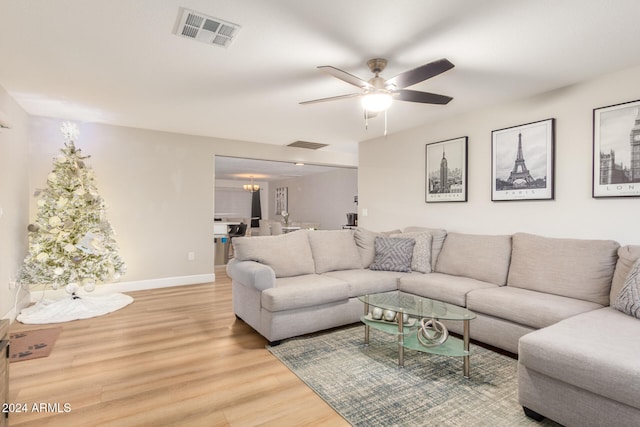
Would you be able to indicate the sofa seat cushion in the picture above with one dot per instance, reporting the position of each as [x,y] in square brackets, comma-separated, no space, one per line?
[574,268]
[442,287]
[481,257]
[595,351]
[334,250]
[303,291]
[525,307]
[365,281]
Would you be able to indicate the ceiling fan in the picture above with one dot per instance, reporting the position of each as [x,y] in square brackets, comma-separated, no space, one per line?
[378,93]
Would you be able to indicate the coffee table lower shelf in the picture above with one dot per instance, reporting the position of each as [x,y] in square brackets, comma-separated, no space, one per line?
[408,338]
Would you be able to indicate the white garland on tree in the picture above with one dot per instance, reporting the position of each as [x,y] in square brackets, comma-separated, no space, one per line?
[71,242]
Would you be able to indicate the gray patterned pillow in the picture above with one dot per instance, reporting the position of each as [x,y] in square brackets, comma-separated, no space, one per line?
[393,254]
[628,300]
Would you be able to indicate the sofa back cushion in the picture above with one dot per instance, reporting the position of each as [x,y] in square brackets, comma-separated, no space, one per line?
[627,256]
[575,268]
[334,250]
[287,254]
[437,239]
[480,257]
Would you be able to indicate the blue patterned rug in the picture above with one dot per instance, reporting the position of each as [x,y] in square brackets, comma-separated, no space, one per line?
[367,388]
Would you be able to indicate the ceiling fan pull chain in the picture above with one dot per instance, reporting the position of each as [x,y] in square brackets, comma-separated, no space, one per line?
[385,122]
[366,120]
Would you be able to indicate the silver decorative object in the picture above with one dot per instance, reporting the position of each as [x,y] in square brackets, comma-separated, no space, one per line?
[376,313]
[389,315]
[432,333]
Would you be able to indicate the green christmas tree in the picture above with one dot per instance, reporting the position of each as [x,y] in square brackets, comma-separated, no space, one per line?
[71,243]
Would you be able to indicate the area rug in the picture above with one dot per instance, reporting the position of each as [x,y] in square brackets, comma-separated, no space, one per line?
[366,387]
[33,344]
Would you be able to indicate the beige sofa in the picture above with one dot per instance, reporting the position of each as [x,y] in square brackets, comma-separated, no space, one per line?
[529,294]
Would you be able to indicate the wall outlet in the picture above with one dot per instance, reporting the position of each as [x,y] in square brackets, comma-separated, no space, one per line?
[191,256]
[365,212]
[12,283]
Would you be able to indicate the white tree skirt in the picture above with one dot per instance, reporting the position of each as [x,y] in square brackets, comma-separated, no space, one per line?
[69,308]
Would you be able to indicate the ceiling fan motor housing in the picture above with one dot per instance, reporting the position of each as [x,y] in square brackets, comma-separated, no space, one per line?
[376,65]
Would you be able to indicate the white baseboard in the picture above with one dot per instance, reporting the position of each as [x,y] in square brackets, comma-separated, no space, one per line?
[139,285]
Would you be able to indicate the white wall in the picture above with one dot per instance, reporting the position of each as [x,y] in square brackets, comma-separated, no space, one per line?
[323,198]
[159,188]
[391,171]
[14,199]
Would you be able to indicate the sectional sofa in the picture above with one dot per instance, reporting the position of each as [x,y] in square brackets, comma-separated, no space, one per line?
[546,299]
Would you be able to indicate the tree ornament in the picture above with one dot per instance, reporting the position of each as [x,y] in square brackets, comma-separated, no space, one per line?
[33,227]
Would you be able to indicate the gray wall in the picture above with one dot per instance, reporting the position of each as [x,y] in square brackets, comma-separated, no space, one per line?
[392,182]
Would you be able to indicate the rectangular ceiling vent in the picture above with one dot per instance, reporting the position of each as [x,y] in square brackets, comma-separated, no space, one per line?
[306,144]
[197,26]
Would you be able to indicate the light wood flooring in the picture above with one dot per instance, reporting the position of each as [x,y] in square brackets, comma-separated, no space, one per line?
[175,357]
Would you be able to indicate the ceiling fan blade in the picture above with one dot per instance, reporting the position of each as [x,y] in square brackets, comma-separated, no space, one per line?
[346,77]
[417,75]
[332,98]
[423,97]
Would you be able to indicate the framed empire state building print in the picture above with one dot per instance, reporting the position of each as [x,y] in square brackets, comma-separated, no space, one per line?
[522,162]
[616,150]
[446,171]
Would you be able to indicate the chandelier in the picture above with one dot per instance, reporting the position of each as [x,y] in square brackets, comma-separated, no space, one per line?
[252,188]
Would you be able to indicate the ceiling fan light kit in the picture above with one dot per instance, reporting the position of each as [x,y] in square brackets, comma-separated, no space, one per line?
[376,101]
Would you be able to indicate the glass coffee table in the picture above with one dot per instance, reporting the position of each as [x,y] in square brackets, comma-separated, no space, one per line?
[416,322]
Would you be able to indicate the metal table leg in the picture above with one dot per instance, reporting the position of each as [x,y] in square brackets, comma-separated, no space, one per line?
[466,362]
[400,339]
[366,327]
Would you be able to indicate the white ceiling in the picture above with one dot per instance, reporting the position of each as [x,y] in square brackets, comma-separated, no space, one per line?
[118,61]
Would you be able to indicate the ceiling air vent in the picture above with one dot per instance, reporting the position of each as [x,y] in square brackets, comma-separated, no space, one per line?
[308,145]
[197,26]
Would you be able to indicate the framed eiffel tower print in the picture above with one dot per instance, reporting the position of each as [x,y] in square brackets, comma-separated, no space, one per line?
[522,162]
[616,150]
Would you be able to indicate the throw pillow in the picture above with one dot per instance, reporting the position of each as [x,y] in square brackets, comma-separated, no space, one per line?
[287,254]
[421,260]
[334,250]
[628,300]
[437,234]
[393,254]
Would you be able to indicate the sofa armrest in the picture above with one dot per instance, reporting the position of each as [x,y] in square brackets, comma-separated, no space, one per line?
[252,274]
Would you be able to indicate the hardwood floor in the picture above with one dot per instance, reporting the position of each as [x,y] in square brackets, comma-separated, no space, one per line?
[175,357]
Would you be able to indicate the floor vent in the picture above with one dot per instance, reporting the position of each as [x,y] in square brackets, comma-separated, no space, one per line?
[197,26]
[308,145]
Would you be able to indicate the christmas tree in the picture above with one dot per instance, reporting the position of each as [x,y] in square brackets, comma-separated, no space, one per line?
[71,243]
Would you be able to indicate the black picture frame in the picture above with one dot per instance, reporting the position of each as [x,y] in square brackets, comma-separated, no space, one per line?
[523,162]
[446,161]
[616,150]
